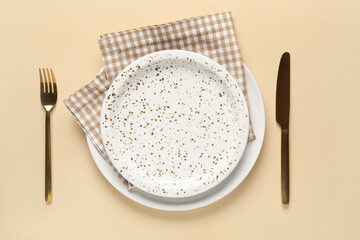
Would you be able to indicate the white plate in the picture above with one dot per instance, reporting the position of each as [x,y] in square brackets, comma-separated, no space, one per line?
[247,162]
[174,123]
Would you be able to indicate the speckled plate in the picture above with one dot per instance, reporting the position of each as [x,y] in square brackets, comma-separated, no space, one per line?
[174,123]
[232,182]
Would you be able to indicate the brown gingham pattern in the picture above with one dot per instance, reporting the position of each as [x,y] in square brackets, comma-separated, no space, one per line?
[210,35]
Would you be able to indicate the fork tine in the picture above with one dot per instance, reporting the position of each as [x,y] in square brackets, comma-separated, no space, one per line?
[50,80]
[45,80]
[41,81]
[53,79]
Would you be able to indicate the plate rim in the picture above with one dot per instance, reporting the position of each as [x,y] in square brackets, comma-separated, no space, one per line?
[116,182]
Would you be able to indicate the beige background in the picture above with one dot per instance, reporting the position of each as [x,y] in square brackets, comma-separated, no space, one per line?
[324,40]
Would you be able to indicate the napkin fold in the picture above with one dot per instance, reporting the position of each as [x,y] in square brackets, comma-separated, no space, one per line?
[211,35]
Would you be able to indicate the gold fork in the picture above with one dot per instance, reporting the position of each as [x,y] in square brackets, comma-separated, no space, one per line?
[48,99]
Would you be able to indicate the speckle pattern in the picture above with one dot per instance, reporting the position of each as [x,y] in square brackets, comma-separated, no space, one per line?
[174,123]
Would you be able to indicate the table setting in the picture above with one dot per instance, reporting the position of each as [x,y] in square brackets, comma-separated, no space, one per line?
[179,120]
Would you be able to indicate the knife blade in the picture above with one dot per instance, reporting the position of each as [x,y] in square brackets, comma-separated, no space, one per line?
[282,117]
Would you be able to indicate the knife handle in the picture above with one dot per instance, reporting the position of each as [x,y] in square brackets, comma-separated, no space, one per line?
[285,190]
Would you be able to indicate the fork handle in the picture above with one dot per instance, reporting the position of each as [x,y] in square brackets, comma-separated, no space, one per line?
[48,190]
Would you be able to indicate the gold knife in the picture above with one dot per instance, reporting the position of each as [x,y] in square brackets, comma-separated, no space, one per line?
[282,117]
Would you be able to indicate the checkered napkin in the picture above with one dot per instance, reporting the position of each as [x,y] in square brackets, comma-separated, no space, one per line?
[210,35]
